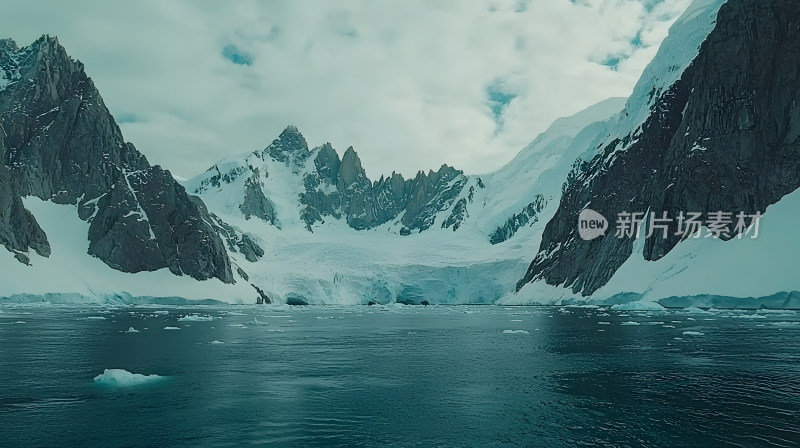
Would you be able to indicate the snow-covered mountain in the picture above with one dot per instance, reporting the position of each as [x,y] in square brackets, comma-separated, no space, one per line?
[720,133]
[713,124]
[330,234]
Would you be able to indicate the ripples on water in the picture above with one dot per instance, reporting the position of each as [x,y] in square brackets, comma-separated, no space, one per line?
[399,376]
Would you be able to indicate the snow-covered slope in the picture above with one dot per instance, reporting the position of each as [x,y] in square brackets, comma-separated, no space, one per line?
[740,268]
[70,274]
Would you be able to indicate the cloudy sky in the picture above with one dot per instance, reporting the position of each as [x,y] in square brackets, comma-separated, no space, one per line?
[410,84]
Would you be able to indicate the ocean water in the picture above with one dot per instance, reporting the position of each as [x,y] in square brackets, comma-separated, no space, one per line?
[403,376]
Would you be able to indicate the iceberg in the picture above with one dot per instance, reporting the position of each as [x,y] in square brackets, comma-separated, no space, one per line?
[516,332]
[641,305]
[123,378]
[196,318]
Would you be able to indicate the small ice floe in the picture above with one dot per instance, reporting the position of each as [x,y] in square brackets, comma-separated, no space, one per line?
[236,325]
[669,326]
[255,321]
[19,322]
[215,342]
[516,320]
[161,312]
[132,330]
[695,310]
[692,333]
[235,313]
[604,323]
[123,378]
[172,328]
[516,332]
[786,324]
[630,322]
[196,318]
[750,316]
[641,305]
[95,318]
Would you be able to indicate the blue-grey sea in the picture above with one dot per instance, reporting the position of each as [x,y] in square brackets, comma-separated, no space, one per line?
[405,376]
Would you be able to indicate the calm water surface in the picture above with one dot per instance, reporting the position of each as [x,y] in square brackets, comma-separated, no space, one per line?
[399,376]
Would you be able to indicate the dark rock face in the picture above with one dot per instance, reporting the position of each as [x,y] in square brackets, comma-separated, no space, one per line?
[19,230]
[290,147]
[255,203]
[341,189]
[725,137]
[63,145]
[296,301]
[518,220]
[238,241]
[262,298]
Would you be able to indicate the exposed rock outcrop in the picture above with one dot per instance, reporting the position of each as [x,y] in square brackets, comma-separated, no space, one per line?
[63,145]
[724,137]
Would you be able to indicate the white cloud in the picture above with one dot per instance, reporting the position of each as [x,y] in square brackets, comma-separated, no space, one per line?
[403,82]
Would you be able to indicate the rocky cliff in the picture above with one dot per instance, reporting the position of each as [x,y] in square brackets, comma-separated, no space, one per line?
[725,136]
[61,144]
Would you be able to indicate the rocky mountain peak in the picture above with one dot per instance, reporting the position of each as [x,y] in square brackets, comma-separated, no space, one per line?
[8,45]
[327,163]
[290,147]
[63,145]
[350,170]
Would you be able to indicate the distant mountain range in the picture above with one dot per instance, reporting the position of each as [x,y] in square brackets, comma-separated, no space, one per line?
[712,125]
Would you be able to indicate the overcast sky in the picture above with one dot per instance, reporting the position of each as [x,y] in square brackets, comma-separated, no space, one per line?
[411,84]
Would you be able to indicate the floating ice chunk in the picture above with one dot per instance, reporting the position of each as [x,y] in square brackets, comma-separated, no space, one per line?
[196,318]
[695,310]
[642,305]
[588,307]
[216,342]
[161,312]
[132,330]
[751,316]
[96,318]
[786,324]
[516,332]
[630,322]
[669,326]
[693,333]
[236,325]
[172,328]
[123,378]
[604,323]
